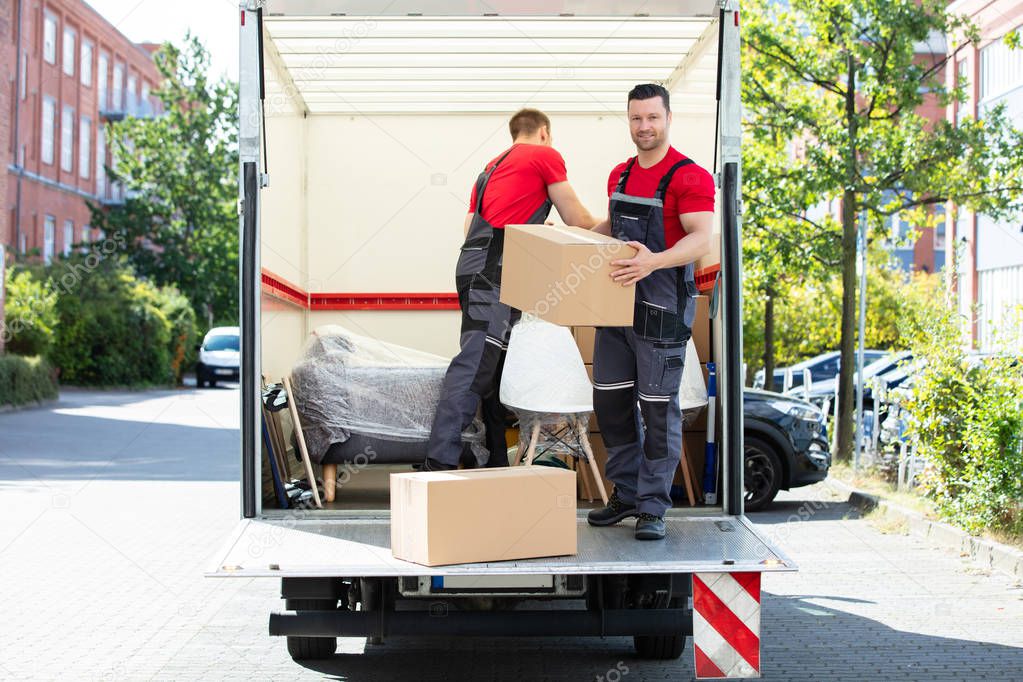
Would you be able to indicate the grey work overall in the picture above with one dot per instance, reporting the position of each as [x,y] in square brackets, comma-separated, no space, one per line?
[644,363]
[474,374]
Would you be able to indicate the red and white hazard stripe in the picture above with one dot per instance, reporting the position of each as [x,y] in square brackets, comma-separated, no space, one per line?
[726,624]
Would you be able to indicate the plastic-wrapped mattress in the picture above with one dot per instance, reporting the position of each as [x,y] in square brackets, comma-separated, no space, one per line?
[359,397]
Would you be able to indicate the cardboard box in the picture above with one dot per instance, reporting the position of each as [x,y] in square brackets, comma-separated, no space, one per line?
[449,517]
[584,339]
[562,274]
[701,329]
[586,481]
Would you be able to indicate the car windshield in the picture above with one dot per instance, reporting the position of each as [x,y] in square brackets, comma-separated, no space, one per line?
[884,365]
[222,343]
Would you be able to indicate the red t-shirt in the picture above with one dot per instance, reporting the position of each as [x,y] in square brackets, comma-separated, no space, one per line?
[691,190]
[519,185]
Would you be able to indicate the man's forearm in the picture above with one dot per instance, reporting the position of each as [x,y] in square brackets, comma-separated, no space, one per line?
[603,227]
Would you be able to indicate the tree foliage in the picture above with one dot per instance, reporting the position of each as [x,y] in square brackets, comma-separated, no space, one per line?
[179,169]
[833,94]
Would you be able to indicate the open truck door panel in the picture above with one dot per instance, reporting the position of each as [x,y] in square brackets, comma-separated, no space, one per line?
[362,126]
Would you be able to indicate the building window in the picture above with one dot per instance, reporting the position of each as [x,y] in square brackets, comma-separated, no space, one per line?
[50,38]
[49,227]
[101,159]
[69,236]
[118,88]
[86,67]
[102,64]
[85,147]
[69,51]
[962,80]
[24,75]
[1001,69]
[133,94]
[67,138]
[49,116]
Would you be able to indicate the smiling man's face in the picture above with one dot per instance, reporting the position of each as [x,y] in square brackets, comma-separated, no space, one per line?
[648,123]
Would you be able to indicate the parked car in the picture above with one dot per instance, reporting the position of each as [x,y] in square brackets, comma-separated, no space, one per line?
[218,357]
[822,368]
[786,445]
[825,390]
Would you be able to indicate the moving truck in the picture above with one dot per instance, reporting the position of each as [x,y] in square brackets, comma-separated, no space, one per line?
[363,125]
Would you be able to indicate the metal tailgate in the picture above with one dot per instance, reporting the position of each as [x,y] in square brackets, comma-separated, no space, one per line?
[361,548]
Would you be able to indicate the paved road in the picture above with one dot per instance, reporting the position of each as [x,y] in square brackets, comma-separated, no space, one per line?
[113,504]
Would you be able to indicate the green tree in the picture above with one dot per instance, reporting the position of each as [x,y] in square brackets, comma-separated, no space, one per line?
[844,77]
[783,249]
[179,170]
[30,314]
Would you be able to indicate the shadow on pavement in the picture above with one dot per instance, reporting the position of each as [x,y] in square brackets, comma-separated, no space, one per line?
[802,639]
[69,447]
[788,511]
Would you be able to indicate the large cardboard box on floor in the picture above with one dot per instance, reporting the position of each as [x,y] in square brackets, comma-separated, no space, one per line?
[562,275]
[454,517]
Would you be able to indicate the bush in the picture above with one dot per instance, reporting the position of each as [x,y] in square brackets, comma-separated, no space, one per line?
[30,314]
[181,316]
[967,421]
[26,380]
[112,330]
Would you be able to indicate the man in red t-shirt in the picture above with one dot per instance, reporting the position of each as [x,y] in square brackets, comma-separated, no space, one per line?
[662,204]
[517,187]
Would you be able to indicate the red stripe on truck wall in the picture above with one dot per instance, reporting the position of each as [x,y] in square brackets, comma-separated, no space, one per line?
[389,301]
[280,288]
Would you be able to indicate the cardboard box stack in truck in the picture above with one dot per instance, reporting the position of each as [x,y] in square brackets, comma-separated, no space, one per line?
[363,127]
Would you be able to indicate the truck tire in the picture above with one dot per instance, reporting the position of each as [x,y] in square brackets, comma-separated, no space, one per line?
[659,647]
[762,474]
[311,648]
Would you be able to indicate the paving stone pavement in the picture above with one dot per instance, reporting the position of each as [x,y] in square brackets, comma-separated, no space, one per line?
[112,504]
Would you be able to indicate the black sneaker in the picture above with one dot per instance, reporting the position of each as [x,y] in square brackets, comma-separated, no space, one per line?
[649,527]
[615,511]
[433,465]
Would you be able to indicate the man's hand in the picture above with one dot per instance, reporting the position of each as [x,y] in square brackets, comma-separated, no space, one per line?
[636,268]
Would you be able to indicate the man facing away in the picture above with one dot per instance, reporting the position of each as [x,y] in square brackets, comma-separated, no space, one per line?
[662,204]
[517,187]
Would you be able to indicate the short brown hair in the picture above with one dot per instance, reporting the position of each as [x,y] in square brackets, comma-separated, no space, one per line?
[527,122]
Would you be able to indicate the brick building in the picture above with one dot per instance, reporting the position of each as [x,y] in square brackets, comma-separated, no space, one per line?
[989,273]
[70,72]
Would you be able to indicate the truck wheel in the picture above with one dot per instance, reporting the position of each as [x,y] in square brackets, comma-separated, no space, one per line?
[762,474]
[660,647]
[311,648]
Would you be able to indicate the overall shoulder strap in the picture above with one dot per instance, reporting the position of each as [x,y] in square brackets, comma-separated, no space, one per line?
[624,177]
[484,180]
[662,187]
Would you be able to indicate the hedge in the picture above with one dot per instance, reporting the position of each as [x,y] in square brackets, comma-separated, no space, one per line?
[26,380]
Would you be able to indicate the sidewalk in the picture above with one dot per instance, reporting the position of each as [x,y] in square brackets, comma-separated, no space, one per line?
[988,553]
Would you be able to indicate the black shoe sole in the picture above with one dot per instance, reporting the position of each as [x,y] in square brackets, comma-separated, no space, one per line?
[649,535]
[621,516]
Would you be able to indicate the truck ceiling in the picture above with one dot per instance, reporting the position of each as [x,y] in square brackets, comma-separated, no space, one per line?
[447,64]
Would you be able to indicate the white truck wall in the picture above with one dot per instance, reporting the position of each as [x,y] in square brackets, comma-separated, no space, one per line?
[384,204]
[283,242]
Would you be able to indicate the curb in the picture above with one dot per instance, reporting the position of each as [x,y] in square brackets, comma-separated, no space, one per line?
[988,553]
